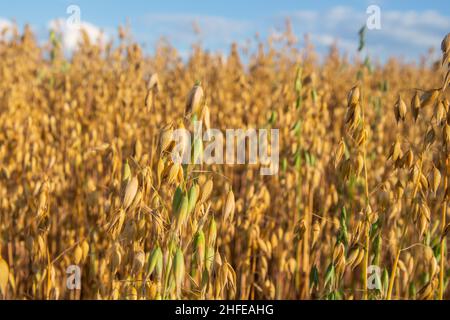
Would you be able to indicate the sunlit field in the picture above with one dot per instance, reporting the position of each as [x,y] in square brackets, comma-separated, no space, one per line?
[90,192]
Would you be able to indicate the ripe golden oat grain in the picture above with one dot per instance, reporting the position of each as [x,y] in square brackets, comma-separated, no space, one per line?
[87,177]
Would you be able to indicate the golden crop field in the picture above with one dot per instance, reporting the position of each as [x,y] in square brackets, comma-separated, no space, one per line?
[357,210]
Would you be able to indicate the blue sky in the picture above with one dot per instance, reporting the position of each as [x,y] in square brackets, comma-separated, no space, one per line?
[408,28]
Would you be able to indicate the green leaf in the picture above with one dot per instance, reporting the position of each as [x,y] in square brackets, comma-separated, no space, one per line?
[298,102]
[193,197]
[296,127]
[314,95]
[297,160]
[329,275]
[197,152]
[178,195]
[314,277]
[273,118]
[155,261]
[362,35]
[412,290]
[343,232]
[284,164]
[368,65]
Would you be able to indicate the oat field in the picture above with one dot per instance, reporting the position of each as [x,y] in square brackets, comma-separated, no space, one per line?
[89,192]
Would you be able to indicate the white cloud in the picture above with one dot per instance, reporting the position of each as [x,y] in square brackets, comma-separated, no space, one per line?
[408,33]
[328,40]
[72,35]
[4,23]
[215,31]
[305,16]
[207,24]
[339,14]
[5,28]
[414,19]
[403,33]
